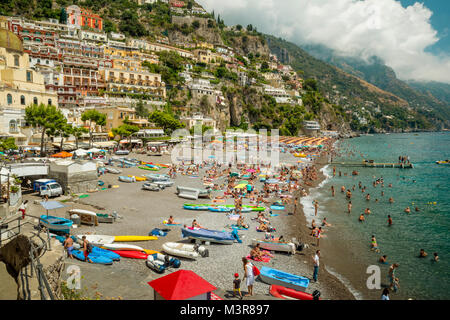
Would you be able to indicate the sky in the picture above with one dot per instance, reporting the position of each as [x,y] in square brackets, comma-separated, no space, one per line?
[411,36]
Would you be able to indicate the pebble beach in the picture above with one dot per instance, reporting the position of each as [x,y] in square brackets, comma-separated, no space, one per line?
[142,210]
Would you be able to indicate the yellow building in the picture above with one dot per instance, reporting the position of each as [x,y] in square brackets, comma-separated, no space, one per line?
[20,86]
[116,115]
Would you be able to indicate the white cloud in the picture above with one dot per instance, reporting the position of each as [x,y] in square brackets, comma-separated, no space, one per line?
[361,28]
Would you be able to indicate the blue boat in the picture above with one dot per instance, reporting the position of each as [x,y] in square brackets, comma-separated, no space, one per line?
[106,253]
[100,259]
[288,280]
[220,209]
[210,235]
[127,179]
[197,208]
[56,223]
[277,207]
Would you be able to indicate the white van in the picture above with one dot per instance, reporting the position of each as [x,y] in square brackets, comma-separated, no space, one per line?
[52,189]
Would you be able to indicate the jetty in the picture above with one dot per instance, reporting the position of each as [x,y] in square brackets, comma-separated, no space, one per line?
[372,164]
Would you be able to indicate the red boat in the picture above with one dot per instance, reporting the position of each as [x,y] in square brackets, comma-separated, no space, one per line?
[283,292]
[131,254]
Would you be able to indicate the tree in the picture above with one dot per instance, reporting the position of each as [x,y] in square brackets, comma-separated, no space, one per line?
[78,133]
[141,110]
[46,117]
[93,116]
[8,144]
[125,130]
[249,27]
[189,5]
[239,27]
[195,24]
[165,120]
[63,16]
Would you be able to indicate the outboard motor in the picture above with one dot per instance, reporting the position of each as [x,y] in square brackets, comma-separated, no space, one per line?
[316,295]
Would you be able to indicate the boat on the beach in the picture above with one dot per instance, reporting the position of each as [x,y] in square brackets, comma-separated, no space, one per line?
[134,238]
[164,184]
[113,170]
[157,177]
[122,246]
[202,193]
[107,253]
[127,179]
[160,262]
[288,280]
[97,239]
[185,250]
[95,258]
[289,247]
[105,218]
[137,178]
[86,216]
[56,223]
[132,254]
[122,152]
[148,168]
[220,209]
[151,186]
[215,236]
[288,293]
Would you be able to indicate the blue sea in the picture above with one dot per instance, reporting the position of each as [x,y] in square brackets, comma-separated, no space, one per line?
[426,186]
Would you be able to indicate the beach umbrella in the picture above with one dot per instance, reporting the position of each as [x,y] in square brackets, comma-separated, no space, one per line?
[80,152]
[62,154]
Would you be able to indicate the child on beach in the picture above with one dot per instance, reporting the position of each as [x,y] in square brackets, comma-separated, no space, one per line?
[237,286]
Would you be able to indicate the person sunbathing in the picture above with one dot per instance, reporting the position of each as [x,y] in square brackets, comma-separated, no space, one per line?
[240,222]
[263,227]
[171,220]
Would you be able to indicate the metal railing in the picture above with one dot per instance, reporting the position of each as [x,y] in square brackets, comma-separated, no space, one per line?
[35,253]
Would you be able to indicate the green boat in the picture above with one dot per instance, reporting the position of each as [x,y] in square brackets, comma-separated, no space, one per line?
[149,169]
[254,208]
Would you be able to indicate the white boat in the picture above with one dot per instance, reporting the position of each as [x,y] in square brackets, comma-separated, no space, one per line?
[151,186]
[289,247]
[113,170]
[86,216]
[97,239]
[185,250]
[122,246]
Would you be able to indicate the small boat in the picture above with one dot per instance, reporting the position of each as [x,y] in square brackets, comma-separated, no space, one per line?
[164,184]
[122,246]
[277,207]
[56,223]
[196,208]
[160,262]
[126,179]
[95,258]
[157,177]
[131,254]
[185,250]
[134,238]
[443,162]
[209,235]
[202,193]
[300,155]
[107,253]
[137,178]
[113,170]
[289,247]
[283,293]
[220,209]
[148,168]
[97,239]
[86,216]
[151,186]
[288,280]
[122,152]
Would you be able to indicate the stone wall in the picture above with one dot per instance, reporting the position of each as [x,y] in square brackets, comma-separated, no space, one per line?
[76,183]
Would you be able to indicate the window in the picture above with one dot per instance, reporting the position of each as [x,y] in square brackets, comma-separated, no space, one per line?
[22,100]
[29,76]
[35,100]
[16,61]
[13,126]
[49,102]
[9,98]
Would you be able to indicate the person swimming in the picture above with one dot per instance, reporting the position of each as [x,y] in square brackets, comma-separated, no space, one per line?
[367,211]
[361,217]
[374,244]
[408,210]
[422,253]
[391,200]
[383,260]
[389,220]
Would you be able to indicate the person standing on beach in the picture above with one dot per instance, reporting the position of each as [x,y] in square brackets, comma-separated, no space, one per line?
[316,265]
[316,207]
[68,245]
[248,274]
[349,207]
[87,248]
[385,294]
[332,191]
[391,275]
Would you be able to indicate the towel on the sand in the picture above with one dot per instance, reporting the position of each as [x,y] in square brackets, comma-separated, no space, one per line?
[263,259]
[238,227]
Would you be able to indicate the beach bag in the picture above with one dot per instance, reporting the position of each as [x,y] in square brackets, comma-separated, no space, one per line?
[256,271]
[89,248]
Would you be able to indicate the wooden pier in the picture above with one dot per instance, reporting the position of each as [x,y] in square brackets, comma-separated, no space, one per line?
[369,164]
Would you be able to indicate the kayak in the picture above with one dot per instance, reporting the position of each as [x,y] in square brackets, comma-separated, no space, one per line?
[134,238]
[277,207]
[131,254]
[220,209]
[106,253]
[278,277]
[100,259]
[121,246]
[149,169]
[185,250]
[97,239]
[283,293]
[127,179]
[209,235]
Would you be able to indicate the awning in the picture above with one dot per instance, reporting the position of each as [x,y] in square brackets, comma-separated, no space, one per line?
[51,205]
